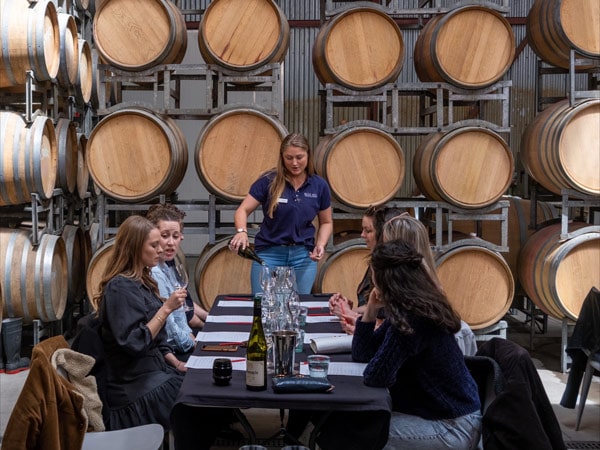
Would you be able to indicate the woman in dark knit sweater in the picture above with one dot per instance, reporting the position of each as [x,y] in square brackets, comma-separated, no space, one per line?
[414,354]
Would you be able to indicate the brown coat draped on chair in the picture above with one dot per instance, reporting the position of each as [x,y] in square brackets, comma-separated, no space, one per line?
[49,412]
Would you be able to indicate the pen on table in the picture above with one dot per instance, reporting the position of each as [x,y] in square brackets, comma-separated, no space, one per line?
[238,360]
[228,297]
[231,343]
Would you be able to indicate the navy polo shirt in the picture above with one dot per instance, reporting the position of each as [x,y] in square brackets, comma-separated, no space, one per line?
[292,220]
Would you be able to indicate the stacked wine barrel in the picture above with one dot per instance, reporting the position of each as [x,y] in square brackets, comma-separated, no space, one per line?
[41,270]
[362,48]
[559,150]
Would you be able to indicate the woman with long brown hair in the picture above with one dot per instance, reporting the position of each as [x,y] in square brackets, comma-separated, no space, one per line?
[435,401]
[291,195]
[143,374]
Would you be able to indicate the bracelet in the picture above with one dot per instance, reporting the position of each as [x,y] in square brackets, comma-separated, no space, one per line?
[157,317]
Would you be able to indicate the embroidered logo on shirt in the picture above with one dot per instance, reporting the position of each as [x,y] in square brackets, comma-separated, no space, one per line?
[310,195]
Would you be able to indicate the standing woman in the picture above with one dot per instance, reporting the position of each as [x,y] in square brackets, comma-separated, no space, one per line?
[143,374]
[292,195]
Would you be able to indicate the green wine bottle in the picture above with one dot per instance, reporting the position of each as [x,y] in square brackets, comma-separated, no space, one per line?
[249,253]
[256,353]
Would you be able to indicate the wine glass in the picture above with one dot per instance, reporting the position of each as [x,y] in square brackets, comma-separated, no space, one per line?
[266,279]
[293,306]
[269,320]
[182,277]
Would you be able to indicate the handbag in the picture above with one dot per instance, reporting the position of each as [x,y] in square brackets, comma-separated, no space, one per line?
[300,384]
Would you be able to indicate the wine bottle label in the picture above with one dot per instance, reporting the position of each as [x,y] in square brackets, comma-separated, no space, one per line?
[255,373]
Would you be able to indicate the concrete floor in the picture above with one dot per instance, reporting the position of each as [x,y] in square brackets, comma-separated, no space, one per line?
[545,353]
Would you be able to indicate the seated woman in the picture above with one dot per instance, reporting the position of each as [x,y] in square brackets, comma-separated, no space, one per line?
[143,374]
[410,229]
[414,353]
[372,227]
[169,221]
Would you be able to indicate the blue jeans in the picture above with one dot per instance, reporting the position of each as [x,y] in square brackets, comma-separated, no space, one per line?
[416,433]
[295,256]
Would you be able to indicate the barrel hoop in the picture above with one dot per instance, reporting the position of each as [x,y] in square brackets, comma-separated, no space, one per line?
[27,315]
[6,288]
[36,132]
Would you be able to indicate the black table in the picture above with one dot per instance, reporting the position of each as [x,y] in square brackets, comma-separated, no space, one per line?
[350,393]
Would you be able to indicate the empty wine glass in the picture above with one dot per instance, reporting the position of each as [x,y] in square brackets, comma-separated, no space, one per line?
[269,325]
[266,279]
[182,277]
[293,305]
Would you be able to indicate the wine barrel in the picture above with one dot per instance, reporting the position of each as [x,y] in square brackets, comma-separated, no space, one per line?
[30,41]
[219,270]
[360,48]
[343,270]
[29,162]
[136,35]
[34,280]
[559,148]
[85,76]
[243,36]
[234,148]
[66,137]
[519,227]
[477,282]
[74,239]
[135,154]
[68,67]
[96,268]
[554,27]
[363,165]
[471,47]
[444,161]
[557,274]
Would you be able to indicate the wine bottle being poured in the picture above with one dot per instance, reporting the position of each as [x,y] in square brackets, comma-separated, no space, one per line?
[249,253]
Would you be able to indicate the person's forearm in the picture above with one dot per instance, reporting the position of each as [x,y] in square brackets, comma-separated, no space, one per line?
[324,234]
[172,360]
[158,320]
[240,219]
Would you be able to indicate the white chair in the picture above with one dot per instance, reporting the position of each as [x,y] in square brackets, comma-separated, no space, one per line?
[593,363]
[142,437]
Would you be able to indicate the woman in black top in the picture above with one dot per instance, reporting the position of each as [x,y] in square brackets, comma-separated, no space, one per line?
[143,374]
